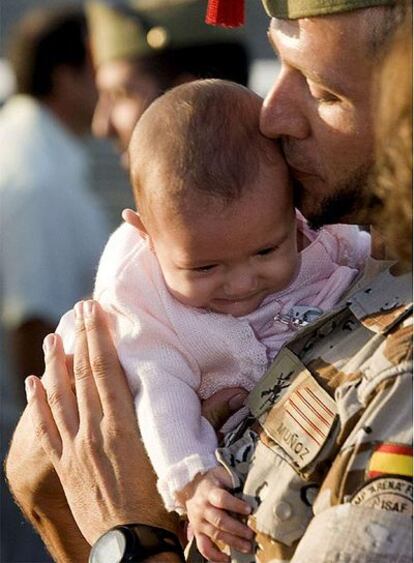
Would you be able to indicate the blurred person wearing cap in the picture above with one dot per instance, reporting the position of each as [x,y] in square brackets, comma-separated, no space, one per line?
[53,228]
[142,48]
[326,459]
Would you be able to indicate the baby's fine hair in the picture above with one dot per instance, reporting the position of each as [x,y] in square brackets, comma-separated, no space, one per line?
[203,137]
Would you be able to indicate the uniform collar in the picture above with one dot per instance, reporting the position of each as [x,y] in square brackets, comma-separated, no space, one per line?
[383,302]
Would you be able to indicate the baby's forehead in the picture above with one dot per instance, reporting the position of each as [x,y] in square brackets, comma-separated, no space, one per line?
[204,136]
[167,186]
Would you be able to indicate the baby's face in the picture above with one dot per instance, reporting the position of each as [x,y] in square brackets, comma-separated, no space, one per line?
[228,259]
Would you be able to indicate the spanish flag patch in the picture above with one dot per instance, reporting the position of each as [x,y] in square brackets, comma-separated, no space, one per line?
[391,459]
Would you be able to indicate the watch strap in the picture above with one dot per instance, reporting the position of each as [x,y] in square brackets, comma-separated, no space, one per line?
[143,541]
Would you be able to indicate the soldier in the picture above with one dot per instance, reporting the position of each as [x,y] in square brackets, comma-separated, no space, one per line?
[329,457]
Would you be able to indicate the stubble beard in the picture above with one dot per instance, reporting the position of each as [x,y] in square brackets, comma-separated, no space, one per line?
[351,201]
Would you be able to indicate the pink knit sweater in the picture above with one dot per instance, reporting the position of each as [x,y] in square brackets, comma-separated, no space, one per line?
[174,355]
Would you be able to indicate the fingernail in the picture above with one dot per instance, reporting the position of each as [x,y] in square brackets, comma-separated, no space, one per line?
[88,308]
[78,310]
[237,401]
[29,387]
[49,343]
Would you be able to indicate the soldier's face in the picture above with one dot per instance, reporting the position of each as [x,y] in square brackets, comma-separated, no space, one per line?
[124,94]
[321,108]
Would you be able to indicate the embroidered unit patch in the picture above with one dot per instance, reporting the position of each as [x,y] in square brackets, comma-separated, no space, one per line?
[302,420]
[387,493]
[391,459]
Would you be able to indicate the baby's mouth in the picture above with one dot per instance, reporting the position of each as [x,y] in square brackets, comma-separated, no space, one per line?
[237,299]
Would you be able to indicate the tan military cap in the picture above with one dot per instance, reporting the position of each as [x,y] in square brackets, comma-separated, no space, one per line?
[137,28]
[294,9]
[230,13]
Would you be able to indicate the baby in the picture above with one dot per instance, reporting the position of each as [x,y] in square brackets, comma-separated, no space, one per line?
[207,281]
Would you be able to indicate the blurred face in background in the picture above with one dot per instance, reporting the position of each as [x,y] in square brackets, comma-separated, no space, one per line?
[124,94]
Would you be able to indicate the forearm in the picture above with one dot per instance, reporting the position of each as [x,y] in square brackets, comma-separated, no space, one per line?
[38,492]
[61,535]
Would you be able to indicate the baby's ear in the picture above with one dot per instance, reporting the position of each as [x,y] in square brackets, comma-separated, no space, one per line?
[132,218]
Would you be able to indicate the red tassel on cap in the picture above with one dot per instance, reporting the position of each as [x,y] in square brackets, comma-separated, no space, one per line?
[227,13]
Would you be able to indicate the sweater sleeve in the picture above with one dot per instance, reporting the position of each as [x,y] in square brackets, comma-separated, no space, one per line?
[162,374]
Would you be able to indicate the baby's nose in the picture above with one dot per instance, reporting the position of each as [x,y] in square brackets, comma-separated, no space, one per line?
[240,283]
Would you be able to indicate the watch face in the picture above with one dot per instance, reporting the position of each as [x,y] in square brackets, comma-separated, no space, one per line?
[110,548]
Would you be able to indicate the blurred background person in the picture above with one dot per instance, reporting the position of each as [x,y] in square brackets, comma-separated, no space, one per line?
[52,227]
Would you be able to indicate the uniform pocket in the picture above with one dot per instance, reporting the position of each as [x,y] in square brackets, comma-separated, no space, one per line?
[280,497]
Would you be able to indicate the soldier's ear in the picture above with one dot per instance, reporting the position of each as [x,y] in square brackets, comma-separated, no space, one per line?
[133,218]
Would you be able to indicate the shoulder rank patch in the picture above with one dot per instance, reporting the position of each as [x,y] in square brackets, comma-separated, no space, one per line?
[302,420]
[391,493]
[391,459]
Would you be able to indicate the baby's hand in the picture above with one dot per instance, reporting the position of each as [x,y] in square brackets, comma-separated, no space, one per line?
[207,502]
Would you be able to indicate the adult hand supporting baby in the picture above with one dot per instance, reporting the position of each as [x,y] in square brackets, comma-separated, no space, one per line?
[92,436]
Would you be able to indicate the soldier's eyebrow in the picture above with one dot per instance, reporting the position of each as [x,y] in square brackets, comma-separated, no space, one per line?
[308,73]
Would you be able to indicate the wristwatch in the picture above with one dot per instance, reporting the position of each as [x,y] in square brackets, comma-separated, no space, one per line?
[134,543]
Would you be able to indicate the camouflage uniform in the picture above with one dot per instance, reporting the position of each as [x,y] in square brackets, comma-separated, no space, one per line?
[328,448]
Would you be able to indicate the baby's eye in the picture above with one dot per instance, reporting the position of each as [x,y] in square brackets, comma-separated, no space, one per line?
[266,251]
[207,268]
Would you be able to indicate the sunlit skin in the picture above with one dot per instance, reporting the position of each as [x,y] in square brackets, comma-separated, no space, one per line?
[320,107]
[227,258]
[124,94]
